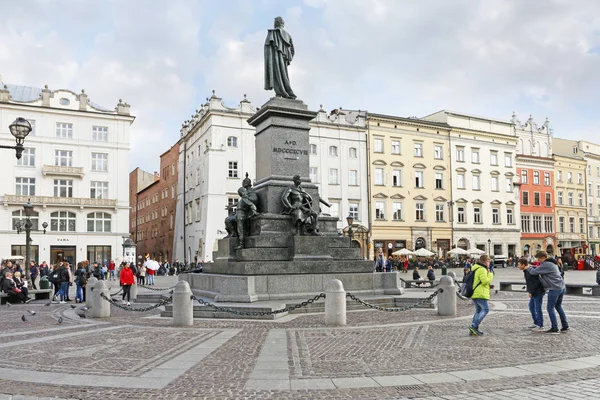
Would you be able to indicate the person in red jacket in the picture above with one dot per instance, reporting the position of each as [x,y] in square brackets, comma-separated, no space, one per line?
[127,279]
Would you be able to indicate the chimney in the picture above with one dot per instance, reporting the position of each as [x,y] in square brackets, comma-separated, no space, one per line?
[156,176]
[122,107]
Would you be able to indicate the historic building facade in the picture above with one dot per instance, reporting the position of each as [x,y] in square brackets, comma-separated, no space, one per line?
[409,184]
[535,173]
[484,198]
[153,201]
[70,171]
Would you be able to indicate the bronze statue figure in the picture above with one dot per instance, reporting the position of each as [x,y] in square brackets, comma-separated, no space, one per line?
[298,204]
[279,51]
[236,223]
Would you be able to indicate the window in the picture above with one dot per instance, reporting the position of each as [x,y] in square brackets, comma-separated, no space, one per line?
[313,149]
[495,216]
[397,209]
[333,176]
[395,147]
[536,199]
[560,198]
[580,199]
[378,145]
[525,197]
[536,177]
[173,169]
[62,221]
[172,191]
[574,150]
[231,142]
[510,216]
[64,131]
[333,151]
[460,211]
[98,190]
[524,176]
[232,170]
[559,176]
[475,156]
[589,189]
[420,211]
[397,177]
[63,158]
[493,158]
[334,210]
[380,210]
[314,174]
[569,177]
[438,152]
[100,133]
[548,199]
[460,154]
[476,185]
[507,159]
[379,176]
[509,185]
[98,222]
[353,177]
[460,181]
[25,186]
[561,224]
[591,232]
[439,213]
[525,224]
[19,215]
[63,188]
[537,223]
[548,223]
[597,190]
[572,224]
[546,178]
[418,149]
[352,153]
[571,198]
[419,179]
[27,158]
[495,184]
[353,211]
[580,179]
[99,162]
[477,215]
[582,225]
[439,180]
[590,210]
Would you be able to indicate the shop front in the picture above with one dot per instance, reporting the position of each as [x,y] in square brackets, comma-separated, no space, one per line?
[388,246]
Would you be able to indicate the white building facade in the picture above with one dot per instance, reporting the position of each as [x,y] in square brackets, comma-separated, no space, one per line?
[73,171]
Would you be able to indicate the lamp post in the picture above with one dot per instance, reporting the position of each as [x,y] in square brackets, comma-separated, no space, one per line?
[490,247]
[350,221]
[26,226]
[20,128]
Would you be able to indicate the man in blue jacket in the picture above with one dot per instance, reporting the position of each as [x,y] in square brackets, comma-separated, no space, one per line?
[536,295]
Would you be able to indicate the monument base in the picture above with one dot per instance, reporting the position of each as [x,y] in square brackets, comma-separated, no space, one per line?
[252,288]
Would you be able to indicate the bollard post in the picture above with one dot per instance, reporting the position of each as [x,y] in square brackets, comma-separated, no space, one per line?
[89,300]
[133,292]
[101,308]
[452,275]
[183,305]
[447,299]
[335,303]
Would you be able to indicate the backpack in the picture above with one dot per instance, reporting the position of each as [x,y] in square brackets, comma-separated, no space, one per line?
[54,277]
[467,289]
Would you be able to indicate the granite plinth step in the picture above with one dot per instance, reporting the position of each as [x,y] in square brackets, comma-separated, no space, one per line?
[345,253]
[263,253]
[149,298]
[267,241]
[295,267]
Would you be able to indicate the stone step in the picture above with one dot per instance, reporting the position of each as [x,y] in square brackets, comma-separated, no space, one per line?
[264,253]
[341,253]
[267,241]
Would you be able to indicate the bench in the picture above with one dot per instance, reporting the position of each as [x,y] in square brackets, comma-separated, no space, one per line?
[410,283]
[576,289]
[37,294]
[507,286]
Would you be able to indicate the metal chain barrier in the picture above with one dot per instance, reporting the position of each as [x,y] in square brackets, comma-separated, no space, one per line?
[419,303]
[126,308]
[116,293]
[413,284]
[156,289]
[260,313]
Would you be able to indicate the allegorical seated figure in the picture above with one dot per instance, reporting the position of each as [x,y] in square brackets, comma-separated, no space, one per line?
[298,204]
[236,222]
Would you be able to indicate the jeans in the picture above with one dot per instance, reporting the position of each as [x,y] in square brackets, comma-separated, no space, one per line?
[33,278]
[79,292]
[555,298]
[482,308]
[112,274]
[64,290]
[150,280]
[535,308]
[126,292]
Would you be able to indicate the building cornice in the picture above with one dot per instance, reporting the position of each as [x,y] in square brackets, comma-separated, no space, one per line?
[63,111]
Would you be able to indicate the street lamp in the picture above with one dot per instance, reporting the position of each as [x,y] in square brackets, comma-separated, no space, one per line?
[350,221]
[26,226]
[20,128]
[490,247]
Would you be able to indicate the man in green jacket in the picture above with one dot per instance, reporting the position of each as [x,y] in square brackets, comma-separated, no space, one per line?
[481,293]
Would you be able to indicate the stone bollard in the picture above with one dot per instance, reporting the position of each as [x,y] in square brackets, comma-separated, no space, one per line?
[183,305]
[335,303]
[133,292]
[89,300]
[101,307]
[447,299]
[452,275]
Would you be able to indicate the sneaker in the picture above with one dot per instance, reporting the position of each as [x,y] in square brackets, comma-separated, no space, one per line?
[29,301]
[553,331]
[62,302]
[128,303]
[539,329]
[565,330]
[474,332]
[532,326]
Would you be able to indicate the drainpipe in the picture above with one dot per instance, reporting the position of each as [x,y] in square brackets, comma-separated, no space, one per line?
[451,215]
[368,185]
[184,208]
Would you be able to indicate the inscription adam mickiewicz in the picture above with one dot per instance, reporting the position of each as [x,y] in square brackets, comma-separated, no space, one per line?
[289,150]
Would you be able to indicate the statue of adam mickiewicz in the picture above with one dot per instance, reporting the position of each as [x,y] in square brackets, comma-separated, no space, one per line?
[279,51]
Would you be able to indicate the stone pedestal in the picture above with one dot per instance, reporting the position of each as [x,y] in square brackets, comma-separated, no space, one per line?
[447,298]
[89,300]
[335,304]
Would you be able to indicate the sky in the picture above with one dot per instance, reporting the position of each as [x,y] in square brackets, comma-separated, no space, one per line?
[396,57]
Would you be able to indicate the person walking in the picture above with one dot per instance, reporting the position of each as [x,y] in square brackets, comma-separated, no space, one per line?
[536,295]
[33,273]
[80,281]
[555,285]
[63,283]
[142,275]
[430,275]
[481,292]
[127,279]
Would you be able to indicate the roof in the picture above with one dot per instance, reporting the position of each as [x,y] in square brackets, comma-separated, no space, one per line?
[473,116]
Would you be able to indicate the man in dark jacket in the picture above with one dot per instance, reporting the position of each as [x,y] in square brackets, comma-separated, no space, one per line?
[430,275]
[63,279]
[33,272]
[536,295]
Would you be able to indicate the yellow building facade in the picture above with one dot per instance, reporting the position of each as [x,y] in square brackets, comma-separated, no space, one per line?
[409,184]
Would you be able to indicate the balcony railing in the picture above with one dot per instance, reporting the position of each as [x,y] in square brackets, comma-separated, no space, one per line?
[59,201]
[62,170]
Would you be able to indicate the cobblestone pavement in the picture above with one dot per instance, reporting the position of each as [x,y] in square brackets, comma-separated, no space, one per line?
[379,355]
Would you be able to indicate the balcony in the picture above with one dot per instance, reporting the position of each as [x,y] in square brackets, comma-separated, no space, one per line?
[58,170]
[59,201]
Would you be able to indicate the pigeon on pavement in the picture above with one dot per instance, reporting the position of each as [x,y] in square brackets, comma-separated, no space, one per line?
[48,304]
[23,318]
[8,304]
[73,306]
[31,312]
[60,320]
[85,308]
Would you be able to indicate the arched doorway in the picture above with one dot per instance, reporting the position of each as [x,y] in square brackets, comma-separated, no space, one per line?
[550,249]
[355,244]
[420,243]
[463,244]
[526,250]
